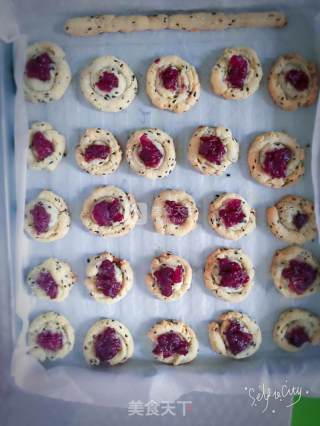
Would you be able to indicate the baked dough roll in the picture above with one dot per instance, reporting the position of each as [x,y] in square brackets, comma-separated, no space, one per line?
[174,342]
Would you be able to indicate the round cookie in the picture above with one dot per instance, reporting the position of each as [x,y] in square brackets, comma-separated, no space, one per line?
[174,213]
[110,211]
[108,342]
[293,82]
[47,218]
[170,277]
[237,73]
[50,337]
[212,150]
[98,152]
[46,147]
[51,280]
[231,217]
[295,328]
[234,335]
[151,153]
[276,160]
[292,219]
[109,278]
[229,274]
[108,84]
[172,84]
[47,74]
[174,342]
[295,272]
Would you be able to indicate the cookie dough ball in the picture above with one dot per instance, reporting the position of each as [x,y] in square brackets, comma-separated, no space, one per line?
[237,73]
[46,147]
[170,277]
[47,74]
[151,153]
[50,337]
[108,342]
[47,218]
[172,84]
[234,335]
[295,329]
[292,220]
[293,82]
[110,212]
[51,280]
[231,216]
[276,160]
[174,213]
[109,278]
[229,274]
[174,342]
[295,272]
[98,152]
[212,150]
[108,84]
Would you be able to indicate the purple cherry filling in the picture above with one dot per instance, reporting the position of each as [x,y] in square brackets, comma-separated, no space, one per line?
[177,212]
[107,344]
[96,151]
[232,274]
[50,341]
[238,340]
[46,282]
[40,218]
[298,79]
[107,82]
[276,162]
[300,275]
[39,67]
[166,277]
[300,219]
[237,71]
[169,77]
[105,213]
[232,213]
[212,149]
[170,344]
[297,336]
[106,280]
[41,147]
[148,153]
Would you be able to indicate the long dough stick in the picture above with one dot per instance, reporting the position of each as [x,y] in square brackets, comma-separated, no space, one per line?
[200,21]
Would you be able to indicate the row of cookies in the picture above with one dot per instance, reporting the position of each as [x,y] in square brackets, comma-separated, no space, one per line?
[172,83]
[109,342]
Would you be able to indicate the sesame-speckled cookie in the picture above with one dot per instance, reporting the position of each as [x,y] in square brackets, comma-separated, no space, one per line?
[234,335]
[109,278]
[295,272]
[174,212]
[108,342]
[172,84]
[276,160]
[237,73]
[47,218]
[110,212]
[212,150]
[293,82]
[292,219]
[46,147]
[47,74]
[295,328]
[50,337]
[170,277]
[98,152]
[108,84]
[229,274]
[231,216]
[151,153]
[174,342]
